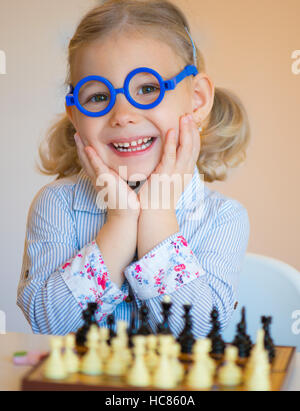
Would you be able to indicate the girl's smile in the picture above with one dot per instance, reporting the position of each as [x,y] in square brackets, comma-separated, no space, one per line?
[133,147]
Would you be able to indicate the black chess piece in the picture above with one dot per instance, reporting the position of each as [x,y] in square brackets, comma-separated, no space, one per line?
[218,345]
[111,322]
[242,341]
[164,327]
[132,330]
[144,328]
[82,331]
[186,338]
[268,341]
[88,316]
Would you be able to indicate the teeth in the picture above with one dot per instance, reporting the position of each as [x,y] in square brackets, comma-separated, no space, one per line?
[133,143]
[143,147]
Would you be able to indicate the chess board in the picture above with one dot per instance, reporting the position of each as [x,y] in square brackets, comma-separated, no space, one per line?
[35,380]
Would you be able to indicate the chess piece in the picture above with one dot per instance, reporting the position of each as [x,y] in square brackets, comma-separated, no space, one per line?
[111,322]
[257,351]
[230,374]
[242,340]
[200,376]
[138,374]
[218,345]
[186,338]
[178,368]
[258,379]
[103,348]
[115,365]
[144,328]
[91,363]
[123,337]
[132,330]
[151,356]
[54,366]
[268,341]
[71,359]
[164,328]
[163,376]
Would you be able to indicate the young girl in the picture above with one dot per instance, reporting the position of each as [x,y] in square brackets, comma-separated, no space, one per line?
[164,119]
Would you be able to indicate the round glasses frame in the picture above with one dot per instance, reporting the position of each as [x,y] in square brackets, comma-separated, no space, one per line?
[165,85]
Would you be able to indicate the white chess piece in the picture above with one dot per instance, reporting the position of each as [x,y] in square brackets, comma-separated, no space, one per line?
[230,374]
[54,366]
[91,363]
[138,374]
[103,347]
[178,368]
[151,356]
[200,376]
[116,364]
[164,376]
[71,359]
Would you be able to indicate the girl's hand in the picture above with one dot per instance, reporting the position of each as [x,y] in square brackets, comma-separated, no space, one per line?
[121,200]
[177,167]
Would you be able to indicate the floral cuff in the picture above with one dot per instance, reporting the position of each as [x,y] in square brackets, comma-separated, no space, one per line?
[163,270]
[87,277]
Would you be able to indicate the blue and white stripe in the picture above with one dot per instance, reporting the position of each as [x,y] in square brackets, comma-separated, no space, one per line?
[64,217]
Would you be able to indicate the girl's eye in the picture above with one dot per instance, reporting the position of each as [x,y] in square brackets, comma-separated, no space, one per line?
[148,88]
[98,98]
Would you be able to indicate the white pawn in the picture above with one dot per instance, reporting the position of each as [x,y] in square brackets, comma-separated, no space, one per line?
[116,364]
[164,376]
[103,347]
[200,375]
[54,366]
[123,337]
[91,363]
[230,374]
[138,374]
[151,356]
[178,368]
[71,360]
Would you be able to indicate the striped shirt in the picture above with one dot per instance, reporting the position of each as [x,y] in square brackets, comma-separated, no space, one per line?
[63,269]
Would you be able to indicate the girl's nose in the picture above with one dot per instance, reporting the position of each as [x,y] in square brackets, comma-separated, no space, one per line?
[123,112]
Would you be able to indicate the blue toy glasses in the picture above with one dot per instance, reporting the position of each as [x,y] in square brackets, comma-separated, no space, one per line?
[144,88]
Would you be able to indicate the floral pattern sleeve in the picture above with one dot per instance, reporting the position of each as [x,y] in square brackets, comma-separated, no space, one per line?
[166,268]
[87,277]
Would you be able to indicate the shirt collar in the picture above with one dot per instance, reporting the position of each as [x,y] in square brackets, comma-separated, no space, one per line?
[85,195]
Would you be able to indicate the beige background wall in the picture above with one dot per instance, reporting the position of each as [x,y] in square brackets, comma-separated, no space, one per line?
[247,45]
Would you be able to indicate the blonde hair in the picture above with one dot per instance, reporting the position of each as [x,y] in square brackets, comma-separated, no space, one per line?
[226,132]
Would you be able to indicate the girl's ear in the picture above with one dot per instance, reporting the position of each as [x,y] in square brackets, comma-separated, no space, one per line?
[203,91]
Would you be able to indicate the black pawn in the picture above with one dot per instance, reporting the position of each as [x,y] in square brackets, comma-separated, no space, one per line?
[268,341]
[82,331]
[218,345]
[131,331]
[92,308]
[144,328]
[186,338]
[164,327]
[111,322]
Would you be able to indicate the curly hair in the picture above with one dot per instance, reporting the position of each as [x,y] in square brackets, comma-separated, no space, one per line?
[226,130]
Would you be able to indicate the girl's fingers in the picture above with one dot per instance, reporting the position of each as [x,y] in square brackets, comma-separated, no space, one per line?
[186,140]
[168,161]
[82,156]
[96,162]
